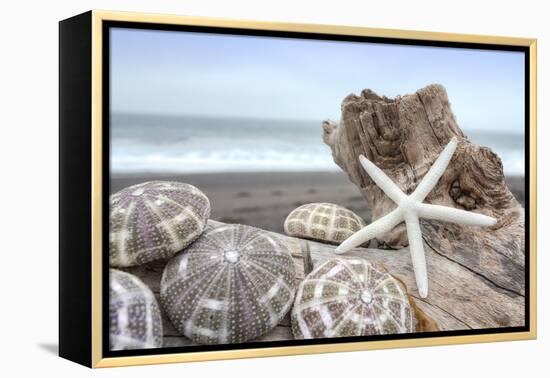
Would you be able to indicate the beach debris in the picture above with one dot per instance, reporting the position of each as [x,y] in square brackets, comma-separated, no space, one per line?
[154,220]
[325,222]
[351,297]
[410,208]
[235,283]
[403,137]
[134,315]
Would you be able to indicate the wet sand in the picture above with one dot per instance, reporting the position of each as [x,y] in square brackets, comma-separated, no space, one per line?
[265,199]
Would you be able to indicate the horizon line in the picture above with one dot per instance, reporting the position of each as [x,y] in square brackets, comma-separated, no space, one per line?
[281,119]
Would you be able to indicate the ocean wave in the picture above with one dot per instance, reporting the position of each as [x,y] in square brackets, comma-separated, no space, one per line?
[250,161]
[197,144]
[217,162]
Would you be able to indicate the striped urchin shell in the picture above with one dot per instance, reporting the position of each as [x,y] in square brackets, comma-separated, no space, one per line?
[350,298]
[326,222]
[154,220]
[234,284]
[135,320]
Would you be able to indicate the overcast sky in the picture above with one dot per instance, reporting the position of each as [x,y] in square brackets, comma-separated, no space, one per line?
[166,72]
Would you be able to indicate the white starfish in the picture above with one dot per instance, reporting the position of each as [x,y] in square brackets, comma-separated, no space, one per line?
[409,209]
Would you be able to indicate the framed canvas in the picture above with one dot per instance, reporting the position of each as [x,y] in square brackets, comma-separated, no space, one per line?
[234,189]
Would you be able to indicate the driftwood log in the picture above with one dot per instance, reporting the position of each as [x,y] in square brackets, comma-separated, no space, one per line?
[404,136]
[459,298]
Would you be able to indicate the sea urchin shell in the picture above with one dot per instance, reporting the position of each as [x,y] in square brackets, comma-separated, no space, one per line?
[154,220]
[234,284]
[350,298]
[326,222]
[134,315]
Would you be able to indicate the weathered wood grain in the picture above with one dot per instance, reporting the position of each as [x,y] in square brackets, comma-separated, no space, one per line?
[404,136]
[484,267]
[459,298]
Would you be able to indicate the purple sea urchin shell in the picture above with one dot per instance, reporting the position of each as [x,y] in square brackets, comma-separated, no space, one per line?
[235,283]
[345,297]
[135,320]
[154,220]
[326,222]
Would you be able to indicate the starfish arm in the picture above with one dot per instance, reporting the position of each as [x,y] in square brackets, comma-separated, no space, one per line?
[379,227]
[450,214]
[436,171]
[416,247]
[382,180]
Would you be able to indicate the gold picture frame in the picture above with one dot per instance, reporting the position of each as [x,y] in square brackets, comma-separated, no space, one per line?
[96,20]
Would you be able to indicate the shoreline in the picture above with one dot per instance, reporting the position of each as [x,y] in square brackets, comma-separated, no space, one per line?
[264,199]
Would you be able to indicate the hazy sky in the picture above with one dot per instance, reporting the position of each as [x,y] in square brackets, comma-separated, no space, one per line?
[205,74]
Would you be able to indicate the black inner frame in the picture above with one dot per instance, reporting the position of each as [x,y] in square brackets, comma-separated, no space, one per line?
[107,25]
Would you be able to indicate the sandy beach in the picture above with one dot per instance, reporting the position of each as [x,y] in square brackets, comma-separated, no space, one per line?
[265,199]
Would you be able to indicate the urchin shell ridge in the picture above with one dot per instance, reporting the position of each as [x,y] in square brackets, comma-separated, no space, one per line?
[323,221]
[134,315]
[154,220]
[234,284]
[350,297]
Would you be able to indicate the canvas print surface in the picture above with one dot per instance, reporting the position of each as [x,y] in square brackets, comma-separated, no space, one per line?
[274,189]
